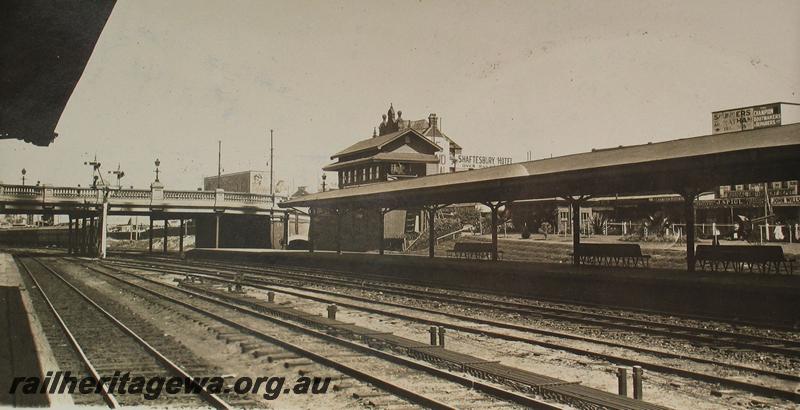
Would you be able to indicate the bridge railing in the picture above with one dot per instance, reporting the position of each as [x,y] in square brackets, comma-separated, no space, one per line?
[190,195]
[130,194]
[49,195]
[25,191]
[69,192]
[246,198]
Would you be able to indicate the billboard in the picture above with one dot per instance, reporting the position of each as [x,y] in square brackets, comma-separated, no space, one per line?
[253,182]
[748,118]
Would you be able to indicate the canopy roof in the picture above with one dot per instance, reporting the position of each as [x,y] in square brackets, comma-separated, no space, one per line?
[768,154]
[46,46]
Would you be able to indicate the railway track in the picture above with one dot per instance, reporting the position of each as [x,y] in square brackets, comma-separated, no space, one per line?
[709,376]
[439,389]
[86,324]
[719,339]
[575,395]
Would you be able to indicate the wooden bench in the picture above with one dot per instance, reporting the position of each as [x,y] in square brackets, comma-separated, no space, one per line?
[619,254]
[765,258]
[473,250]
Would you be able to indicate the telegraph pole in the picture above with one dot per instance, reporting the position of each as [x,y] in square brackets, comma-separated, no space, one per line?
[271,167]
[219,162]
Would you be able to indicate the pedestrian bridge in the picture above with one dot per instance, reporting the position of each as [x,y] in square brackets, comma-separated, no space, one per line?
[44,199]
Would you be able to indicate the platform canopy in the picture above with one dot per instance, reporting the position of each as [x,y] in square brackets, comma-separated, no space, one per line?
[683,165]
[46,46]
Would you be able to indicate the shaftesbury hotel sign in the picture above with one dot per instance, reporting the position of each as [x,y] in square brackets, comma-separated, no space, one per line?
[748,118]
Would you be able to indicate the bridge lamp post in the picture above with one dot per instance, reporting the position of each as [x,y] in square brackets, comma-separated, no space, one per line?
[158,164]
[24,171]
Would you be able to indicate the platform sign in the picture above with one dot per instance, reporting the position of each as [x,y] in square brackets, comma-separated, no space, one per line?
[748,118]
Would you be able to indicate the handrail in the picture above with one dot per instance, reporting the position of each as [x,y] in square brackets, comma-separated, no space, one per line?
[414,241]
[451,233]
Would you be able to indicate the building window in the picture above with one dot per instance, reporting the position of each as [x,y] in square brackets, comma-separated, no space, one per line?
[777,185]
[363,174]
[739,188]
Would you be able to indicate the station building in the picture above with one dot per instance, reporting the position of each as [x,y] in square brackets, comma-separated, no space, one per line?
[398,149]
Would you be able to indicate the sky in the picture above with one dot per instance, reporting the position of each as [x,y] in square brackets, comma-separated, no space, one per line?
[168,80]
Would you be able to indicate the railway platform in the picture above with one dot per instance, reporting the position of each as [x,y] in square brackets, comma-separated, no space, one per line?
[24,351]
[751,297]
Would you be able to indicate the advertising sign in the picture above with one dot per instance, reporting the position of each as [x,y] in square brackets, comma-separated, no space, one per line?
[752,193]
[748,118]
[748,202]
[793,200]
[253,182]
[464,162]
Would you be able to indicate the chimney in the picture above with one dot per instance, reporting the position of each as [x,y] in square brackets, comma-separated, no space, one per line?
[433,121]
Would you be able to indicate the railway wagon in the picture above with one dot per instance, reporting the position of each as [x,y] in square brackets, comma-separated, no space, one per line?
[39,236]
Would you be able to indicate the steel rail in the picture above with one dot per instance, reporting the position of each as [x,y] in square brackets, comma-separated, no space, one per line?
[210,398]
[757,343]
[490,304]
[390,387]
[108,397]
[472,383]
[383,278]
[760,389]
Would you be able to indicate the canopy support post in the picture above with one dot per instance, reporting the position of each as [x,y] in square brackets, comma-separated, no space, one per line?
[311,213]
[689,196]
[382,229]
[431,231]
[338,213]
[575,204]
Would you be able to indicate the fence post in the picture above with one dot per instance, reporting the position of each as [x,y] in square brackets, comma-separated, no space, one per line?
[622,381]
[637,382]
